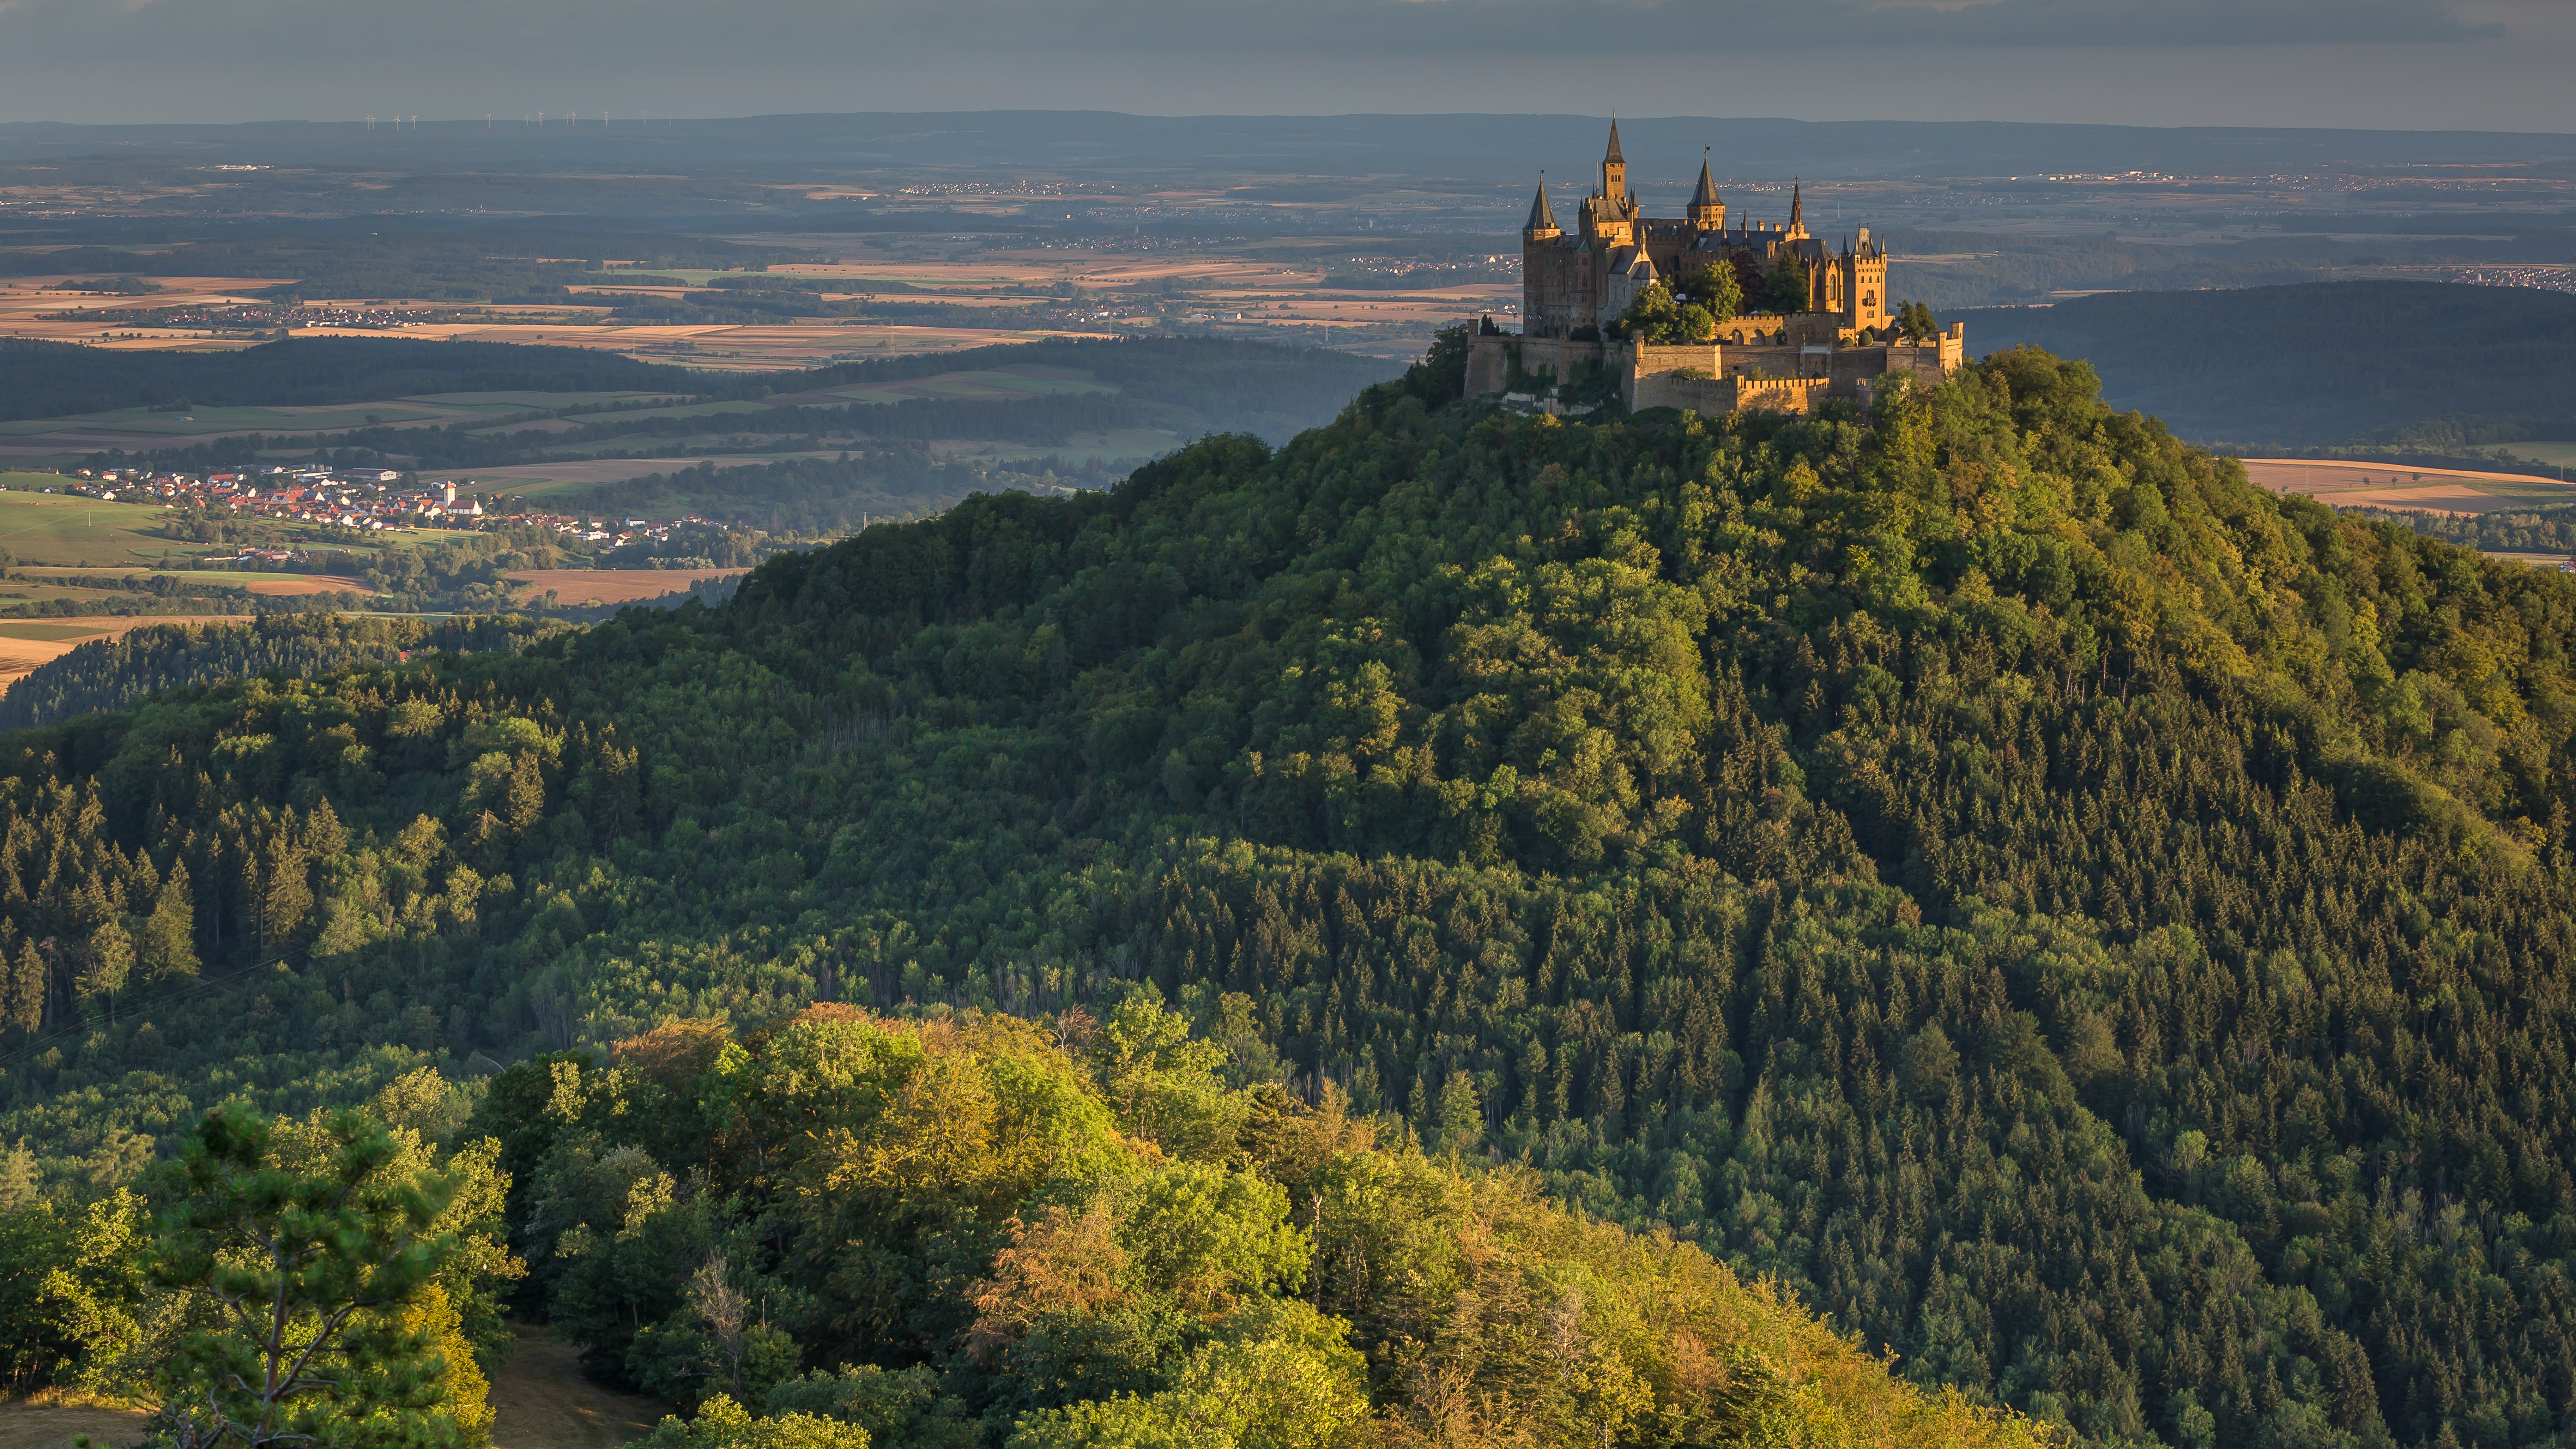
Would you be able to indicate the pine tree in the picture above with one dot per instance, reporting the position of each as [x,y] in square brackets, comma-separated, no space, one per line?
[25,999]
[169,944]
[106,965]
[19,1185]
[527,799]
[323,837]
[289,897]
[305,1282]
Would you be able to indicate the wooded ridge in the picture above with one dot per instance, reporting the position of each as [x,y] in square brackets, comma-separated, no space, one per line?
[2086,925]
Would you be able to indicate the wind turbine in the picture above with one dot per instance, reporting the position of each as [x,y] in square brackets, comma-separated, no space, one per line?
[371,123]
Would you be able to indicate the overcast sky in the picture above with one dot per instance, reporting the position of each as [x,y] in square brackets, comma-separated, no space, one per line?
[2400,64]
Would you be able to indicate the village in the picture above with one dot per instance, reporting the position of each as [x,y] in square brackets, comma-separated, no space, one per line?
[361,499]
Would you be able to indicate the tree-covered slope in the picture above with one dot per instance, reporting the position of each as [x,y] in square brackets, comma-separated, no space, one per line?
[2091,927]
[107,674]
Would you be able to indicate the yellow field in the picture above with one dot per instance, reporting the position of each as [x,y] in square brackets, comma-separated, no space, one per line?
[1120,292]
[575,587]
[2387,485]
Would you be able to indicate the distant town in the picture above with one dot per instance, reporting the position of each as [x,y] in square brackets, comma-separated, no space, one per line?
[364,499]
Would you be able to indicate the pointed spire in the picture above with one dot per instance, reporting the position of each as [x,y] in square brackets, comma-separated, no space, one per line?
[1613,153]
[1797,205]
[1707,193]
[1542,217]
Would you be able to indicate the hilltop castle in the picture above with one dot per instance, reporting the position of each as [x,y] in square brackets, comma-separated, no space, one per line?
[1575,286]
[1587,277]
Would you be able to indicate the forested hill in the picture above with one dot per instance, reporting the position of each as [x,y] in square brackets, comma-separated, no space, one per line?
[2095,929]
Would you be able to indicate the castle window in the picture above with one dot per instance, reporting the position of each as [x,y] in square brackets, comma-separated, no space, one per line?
[1869,299]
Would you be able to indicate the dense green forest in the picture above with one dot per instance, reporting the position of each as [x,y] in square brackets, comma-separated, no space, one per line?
[1078,1237]
[2532,530]
[108,674]
[2299,366]
[2094,929]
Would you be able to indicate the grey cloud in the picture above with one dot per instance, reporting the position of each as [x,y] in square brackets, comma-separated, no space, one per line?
[409,36]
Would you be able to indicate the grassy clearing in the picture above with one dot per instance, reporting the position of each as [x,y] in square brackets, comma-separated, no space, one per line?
[58,1426]
[479,400]
[541,1401]
[452,407]
[62,530]
[690,410]
[2562,454]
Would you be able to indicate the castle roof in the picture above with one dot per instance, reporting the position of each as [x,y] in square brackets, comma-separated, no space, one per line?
[1613,153]
[1707,193]
[1797,205]
[1542,215]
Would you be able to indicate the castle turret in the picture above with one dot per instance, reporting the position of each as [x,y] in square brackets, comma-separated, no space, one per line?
[1706,213]
[1541,225]
[1614,168]
[1797,210]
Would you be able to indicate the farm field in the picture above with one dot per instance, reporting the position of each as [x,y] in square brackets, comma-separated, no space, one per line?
[66,439]
[258,581]
[40,529]
[1094,294]
[566,475]
[2561,453]
[2386,485]
[1000,384]
[24,300]
[575,587]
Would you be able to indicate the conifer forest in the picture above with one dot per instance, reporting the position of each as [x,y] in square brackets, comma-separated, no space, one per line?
[1959,922]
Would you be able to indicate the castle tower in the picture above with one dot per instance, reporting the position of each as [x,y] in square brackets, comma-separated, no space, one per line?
[1797,210]
[1867,290]
[1614,168]
[1541,225]
[1706,213]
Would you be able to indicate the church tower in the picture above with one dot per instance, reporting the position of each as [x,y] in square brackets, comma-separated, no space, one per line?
[1609,216]
[1797,211]
[1706,213]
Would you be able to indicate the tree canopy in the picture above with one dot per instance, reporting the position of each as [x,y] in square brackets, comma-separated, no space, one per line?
[2092,928]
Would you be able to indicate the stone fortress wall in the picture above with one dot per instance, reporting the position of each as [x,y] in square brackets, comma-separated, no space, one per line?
[1713,377]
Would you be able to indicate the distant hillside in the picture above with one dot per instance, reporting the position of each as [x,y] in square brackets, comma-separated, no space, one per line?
[2308,365]
[1188,384]
[53,379]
